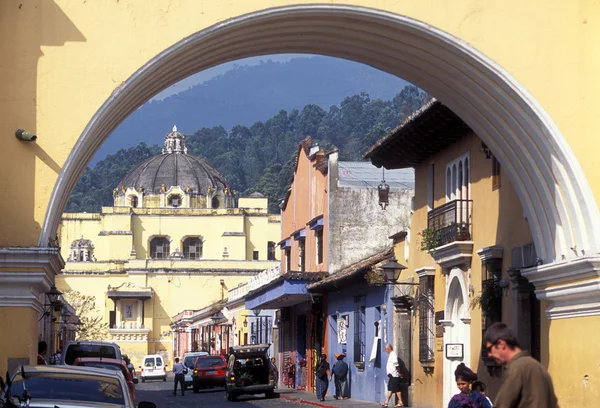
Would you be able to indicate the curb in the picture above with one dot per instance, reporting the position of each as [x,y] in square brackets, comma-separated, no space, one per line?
[307,402]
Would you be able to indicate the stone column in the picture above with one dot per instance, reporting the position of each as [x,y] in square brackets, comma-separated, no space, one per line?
[403,306]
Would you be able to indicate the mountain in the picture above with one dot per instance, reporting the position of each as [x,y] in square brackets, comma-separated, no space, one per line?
[247,94]
[261,157]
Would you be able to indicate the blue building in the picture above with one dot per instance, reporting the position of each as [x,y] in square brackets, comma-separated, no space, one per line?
[359,324]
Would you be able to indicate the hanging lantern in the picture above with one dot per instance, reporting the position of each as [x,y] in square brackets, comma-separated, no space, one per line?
[384,192]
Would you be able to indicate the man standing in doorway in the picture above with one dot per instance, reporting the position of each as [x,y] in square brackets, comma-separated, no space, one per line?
[179,371]
[393,373]
[526,382]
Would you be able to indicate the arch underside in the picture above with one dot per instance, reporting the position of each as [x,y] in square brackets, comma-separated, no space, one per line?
[555,195]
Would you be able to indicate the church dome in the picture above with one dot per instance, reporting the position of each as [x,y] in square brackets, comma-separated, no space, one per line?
[174,167]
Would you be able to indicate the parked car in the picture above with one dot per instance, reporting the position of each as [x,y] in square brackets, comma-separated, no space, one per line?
[189,361]
[249,371]
[68,386]
[110,364]
[209,371]
[79,349]
[153,367]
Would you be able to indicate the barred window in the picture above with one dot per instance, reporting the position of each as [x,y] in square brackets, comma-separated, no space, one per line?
[426,319]
[192,248]
[271,251]
[159,248]
[175,200]
[360,330]
[319,236]
[134,201]
[301,255]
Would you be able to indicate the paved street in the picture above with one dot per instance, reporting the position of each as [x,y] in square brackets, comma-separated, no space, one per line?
[161,394]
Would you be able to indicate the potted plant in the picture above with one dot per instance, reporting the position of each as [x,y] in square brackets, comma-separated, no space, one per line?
[462,231]
[430,239]
[490,298]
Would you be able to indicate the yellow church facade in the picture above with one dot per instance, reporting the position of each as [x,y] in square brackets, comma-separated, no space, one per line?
[164,247]
[522,75]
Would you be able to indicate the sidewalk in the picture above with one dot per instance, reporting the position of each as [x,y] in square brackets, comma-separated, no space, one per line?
[310,398]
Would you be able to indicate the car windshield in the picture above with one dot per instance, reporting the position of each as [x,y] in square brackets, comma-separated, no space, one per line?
[190,361]
[75,351]
[209,362]
[69,387]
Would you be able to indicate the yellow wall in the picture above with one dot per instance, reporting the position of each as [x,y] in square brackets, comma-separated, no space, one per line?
[497,219]
[18,342]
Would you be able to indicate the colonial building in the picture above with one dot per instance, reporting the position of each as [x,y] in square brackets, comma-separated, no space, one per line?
[176,238]
[331,221]
[467,245]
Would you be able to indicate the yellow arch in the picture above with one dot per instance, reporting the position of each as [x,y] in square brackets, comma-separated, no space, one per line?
[543,169]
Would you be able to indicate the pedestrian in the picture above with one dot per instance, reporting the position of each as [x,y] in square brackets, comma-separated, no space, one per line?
[180,371]
[340,374]
[526,382]
[322,373]
[482,388]
[274,364]
[130,366]
[56,357]
[394,381]
[42,348]
[303,373]
[290,373]
[467,397]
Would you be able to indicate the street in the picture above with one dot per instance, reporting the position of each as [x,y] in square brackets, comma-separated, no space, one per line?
[160,393]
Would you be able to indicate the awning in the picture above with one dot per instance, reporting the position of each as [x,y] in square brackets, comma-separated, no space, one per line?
[285,243]
[353,274]
[316,223]
[299,234]
[288,290]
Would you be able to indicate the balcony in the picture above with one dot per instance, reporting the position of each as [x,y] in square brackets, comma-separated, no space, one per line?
[129,331]
[450,232]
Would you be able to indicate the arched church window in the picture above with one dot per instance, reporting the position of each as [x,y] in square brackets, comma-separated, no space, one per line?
[175,200]
[134,201]
[160,248]
[82,250]
[192,248]
[215,202]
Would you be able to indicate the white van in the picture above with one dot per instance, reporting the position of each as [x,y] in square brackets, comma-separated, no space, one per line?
[189,361]
[153,367]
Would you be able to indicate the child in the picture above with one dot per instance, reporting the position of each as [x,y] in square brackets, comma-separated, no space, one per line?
[480,386]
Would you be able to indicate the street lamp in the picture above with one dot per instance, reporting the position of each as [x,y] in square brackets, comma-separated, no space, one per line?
[384,191]
[245,322]
[256,312]
[392,270]
[53,301]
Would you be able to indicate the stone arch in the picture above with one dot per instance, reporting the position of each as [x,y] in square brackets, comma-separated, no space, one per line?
[556,197]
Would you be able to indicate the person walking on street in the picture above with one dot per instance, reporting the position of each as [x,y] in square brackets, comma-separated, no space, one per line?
[394,381]
[323,374]
[526,382]
[274,363]
[179,370]
[290,372]
[340,374]
[42,348]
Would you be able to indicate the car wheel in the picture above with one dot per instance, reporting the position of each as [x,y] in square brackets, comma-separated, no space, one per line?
[143,379]
[230,396]
[270,394]
[196,389]
[164,378]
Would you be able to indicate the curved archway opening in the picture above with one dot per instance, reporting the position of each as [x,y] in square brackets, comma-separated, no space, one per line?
[555,195]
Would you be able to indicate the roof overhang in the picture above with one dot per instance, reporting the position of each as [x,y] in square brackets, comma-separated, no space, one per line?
[428,131]
[129,294]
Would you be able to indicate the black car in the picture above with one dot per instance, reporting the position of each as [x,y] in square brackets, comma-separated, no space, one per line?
[249,371]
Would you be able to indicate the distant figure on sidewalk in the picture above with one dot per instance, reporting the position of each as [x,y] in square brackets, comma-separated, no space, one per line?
[303,373]
[179,370]
[42,348]
[467,397]
[56,357]
[322,373]
[394,381]
[274,363]
[340,375]
[526,382]
[290,373]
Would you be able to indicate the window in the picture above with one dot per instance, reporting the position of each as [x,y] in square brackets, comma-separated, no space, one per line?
[159,248]
[360,331]
[82,250]
[175,200]
[134,201]
[271,251]
[426,319]
[301,255]
[288,259]
[457,179]
[192,248]
[215,202]
[319,236]
[255,255]
[430,185]
[491,291]
[495,174]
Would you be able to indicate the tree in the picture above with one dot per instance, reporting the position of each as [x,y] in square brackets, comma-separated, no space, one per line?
[92,326]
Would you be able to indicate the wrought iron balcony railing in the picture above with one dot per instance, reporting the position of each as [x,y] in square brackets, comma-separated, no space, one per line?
[451,222]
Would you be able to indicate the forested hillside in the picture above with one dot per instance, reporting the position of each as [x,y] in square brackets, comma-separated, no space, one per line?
[260,157]
[246,94]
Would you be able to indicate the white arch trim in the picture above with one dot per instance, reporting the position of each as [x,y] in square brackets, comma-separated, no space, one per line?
[557,200]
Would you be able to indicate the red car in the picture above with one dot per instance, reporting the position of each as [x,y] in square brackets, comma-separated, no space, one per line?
[109,364]
[209,371]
